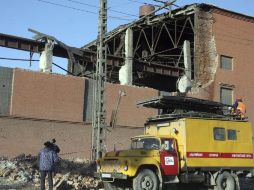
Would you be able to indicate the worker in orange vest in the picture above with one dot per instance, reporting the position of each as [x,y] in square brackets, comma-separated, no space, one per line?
[239,108]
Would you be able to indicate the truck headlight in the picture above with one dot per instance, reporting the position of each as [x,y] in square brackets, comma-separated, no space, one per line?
[98,165]
[125,165]
[125,168]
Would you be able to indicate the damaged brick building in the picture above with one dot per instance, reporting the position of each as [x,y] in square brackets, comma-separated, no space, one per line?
[211,45]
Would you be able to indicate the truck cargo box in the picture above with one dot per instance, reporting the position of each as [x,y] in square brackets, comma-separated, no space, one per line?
[208,143]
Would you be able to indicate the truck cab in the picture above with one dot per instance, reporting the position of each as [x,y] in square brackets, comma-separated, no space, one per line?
[149,159]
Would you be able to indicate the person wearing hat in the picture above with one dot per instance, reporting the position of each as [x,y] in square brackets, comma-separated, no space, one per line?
[47,158]
[56,149]
[239,108]
[54,146]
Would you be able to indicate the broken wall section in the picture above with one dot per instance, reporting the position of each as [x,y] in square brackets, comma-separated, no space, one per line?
[206,58]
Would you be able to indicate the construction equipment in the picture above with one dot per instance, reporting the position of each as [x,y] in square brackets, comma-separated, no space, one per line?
[192,142]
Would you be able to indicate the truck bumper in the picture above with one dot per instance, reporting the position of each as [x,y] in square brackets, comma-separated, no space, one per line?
[109,176]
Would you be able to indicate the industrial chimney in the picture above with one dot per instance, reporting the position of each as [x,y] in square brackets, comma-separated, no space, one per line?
[145,10]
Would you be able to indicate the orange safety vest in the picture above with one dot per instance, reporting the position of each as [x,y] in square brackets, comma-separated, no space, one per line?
[241,107]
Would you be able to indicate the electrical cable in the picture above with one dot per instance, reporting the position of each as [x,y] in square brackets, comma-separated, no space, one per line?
[145,3]
[82,10]
[160,1]
[139,2]
[57,4]
[94,6]
[121,4]
[34,60]
[81,3]
[16,59]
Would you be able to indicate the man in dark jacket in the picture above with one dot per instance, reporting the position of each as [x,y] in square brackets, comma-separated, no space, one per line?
[47,158]
[55,147]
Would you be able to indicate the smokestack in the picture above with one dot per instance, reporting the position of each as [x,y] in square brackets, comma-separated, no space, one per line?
[145,10]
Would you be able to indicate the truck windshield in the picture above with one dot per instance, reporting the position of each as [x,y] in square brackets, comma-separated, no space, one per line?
[145,143]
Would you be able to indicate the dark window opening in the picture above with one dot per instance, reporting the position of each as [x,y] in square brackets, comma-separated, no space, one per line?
[226,96]
[219,134]
[226,62]
[232,135]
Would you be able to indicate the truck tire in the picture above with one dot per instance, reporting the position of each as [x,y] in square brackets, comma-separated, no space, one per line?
[146,180]
[109,186]
[115,186]
[225,181]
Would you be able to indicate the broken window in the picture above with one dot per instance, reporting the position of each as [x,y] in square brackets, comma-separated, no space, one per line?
[226,62]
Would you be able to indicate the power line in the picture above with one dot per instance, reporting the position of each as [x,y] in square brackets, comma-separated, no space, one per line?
[145,3]
[140,2]
[17,59]
[34,60]
[77,2]
[60,5]
[134,1]
[94,6]
[82,10]
[160,1]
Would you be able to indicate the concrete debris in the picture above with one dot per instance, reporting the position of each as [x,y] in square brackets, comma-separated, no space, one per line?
[22,173]
[76,174]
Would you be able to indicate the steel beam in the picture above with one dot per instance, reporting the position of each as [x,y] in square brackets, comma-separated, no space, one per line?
[19,43]
[25,44]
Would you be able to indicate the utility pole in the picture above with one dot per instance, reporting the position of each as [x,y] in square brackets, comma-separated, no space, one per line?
[99,112]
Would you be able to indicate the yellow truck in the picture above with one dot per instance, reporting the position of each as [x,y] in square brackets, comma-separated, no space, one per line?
[187,146]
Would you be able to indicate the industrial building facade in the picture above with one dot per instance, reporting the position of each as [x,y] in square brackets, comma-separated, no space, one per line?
[151,54]
[38,107]
[210,45]
[218,53]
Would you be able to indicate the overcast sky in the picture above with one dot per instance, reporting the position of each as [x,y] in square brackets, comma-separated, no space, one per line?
[75,21]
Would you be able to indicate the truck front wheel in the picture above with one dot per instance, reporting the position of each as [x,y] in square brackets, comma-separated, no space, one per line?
[109,186]
[116,185]
[146,180]
[225,181]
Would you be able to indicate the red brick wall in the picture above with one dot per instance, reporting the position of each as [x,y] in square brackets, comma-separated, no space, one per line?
[129,114]
[47,96]
[27,136]
[235,38]
[56,97]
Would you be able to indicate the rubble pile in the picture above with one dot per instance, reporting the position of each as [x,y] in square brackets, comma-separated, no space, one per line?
[22,173]
[76,174]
